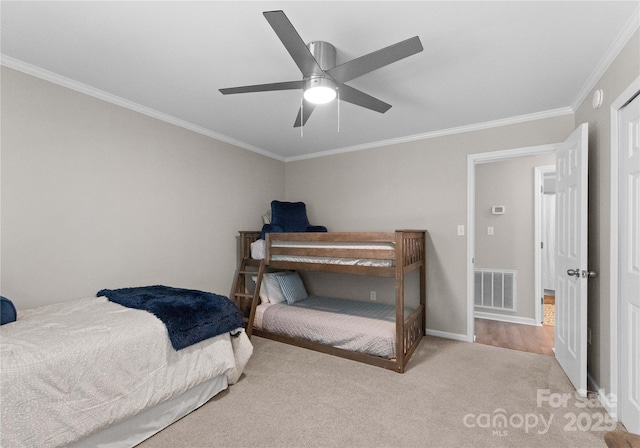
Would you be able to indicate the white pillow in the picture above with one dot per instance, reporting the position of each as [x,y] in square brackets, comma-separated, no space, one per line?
[258,250]
[273,287]
[292,288]
[264,295]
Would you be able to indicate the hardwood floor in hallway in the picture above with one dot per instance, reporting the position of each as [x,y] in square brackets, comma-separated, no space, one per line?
[526,338]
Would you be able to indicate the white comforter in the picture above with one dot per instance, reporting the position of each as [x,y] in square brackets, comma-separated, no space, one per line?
[71,369]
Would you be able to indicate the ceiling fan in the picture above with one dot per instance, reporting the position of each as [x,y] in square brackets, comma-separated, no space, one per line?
[322,80]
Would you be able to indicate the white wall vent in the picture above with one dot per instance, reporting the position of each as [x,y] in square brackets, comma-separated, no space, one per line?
[495,289]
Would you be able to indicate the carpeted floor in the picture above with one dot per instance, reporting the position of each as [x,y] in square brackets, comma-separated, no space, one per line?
[454,394]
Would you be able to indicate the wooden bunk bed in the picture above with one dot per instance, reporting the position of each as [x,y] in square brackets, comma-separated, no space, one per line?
[404,251]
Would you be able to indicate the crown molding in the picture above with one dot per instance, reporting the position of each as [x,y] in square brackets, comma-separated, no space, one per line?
[621,40]
[441,133]
[63,81]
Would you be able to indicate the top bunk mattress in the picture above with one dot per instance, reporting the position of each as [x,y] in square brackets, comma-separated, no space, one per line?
[258,252]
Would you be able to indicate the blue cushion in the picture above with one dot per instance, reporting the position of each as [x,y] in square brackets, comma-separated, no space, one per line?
[290,216]
[292,288]
[269,228]
[7,311]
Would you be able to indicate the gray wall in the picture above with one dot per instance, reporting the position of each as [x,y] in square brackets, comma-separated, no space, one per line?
[97,196]
[620,74]
[509,183]
[421,185]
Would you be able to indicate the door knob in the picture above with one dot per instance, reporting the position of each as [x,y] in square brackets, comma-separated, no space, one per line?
[584,274]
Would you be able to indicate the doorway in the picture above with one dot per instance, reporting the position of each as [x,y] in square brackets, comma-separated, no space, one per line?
[570,341]
[495,246]
[472,161]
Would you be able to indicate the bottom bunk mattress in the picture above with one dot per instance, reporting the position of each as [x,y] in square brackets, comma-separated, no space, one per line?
[74,368]
[352,325]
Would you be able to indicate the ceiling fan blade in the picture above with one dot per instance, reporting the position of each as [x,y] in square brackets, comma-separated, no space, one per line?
[307,108]
[289,85]
[293,43]
[359,98]
[373,61]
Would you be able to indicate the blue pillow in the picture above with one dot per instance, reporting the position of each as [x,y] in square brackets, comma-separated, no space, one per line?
[7,311]
[292,287]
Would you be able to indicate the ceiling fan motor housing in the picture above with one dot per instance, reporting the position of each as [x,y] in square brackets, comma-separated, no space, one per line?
[324,53]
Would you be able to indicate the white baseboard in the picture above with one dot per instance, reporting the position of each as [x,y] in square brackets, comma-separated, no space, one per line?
[447,335]
[504,318]
[603,398]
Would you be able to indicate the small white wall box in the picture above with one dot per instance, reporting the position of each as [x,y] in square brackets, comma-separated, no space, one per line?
[498,209]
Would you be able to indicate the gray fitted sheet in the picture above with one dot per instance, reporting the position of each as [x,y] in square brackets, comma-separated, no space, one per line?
[352,325]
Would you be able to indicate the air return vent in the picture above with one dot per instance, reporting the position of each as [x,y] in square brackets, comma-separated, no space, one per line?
[495,288]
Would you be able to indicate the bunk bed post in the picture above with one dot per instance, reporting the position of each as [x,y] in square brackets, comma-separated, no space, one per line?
[246,238]
[400,344]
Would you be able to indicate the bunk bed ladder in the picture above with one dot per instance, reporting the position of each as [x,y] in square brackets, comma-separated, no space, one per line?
[246,300]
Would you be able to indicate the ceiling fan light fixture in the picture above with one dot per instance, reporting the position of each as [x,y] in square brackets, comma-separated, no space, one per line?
[320,90]
[322,80]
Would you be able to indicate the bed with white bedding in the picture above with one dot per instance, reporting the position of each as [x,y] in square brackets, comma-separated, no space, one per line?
[351,325]
[73,371]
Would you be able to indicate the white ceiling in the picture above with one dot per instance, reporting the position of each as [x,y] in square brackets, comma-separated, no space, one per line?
[483,62]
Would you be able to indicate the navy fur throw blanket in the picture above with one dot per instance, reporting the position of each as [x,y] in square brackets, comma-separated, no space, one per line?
[190,316]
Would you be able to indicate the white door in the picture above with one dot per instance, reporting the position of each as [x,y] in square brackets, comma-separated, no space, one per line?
[629,286]
[571,257]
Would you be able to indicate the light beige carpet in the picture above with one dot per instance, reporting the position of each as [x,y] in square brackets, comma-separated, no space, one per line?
[454,394]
